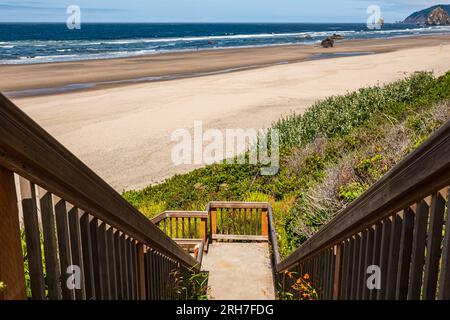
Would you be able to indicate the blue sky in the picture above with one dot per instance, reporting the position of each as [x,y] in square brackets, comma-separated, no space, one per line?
[208,10]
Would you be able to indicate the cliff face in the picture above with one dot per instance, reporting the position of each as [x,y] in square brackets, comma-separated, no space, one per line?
[420,17]
[438,17]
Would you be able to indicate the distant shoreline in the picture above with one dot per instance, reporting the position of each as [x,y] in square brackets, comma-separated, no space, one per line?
[123,132]
[61,77]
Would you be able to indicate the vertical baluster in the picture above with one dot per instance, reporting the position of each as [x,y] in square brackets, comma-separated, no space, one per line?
[367,261]
[50,246]
[361,272]
[394,252]
[155,275]
[376,254]
[433,247]
[189,229]
[136,270]
[243,222]
[98,284]
[65,256]
[345,270]
[112,263]
[418,251]
[444,281]
[183,235]
[131,269]
[249,218]
[11,255]
[104,261]
[405,255]
[119,265]
[355,267]
[384,257]
[332,272]
[125,272]
[337,271]
[140,249]
[88,263]
[213,221]
[33,239]
[77,255]
[325,276]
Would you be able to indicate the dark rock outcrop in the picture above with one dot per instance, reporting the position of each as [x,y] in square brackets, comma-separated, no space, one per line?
[420,17]
[438,17]
[337,37]
[328,43]
[305,38]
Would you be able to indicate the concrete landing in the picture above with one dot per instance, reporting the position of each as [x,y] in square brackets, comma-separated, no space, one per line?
[239,271]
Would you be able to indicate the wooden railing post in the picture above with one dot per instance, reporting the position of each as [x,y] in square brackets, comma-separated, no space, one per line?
[264,223]
[337,272]
[203,229]
[141,271]
[11,256]
[213,218]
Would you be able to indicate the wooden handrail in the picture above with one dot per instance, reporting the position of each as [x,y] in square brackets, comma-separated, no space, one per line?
[238,205]
[179,214]
[424,171]
[28,150]
[273,238]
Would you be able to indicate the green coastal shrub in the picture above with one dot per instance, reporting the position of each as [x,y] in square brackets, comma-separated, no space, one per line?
[329,156]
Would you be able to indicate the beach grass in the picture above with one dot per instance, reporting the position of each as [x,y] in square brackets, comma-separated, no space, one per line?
[329,155]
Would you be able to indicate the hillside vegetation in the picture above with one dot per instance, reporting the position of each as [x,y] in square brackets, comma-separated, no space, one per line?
[329,157]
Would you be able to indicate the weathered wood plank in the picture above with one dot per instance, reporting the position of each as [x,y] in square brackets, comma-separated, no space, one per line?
[141,271]
[384,257]
[124,255]
[11,256]
[405,255]
[345,280]
[394,252]
[65,255]
[444,284]
[418,251]
[50,245]
[119,265]
[337,272]
[233,237]
[33,239]
[433,247]
[88,261]
[264,223]
[238,205]
[368,261]
[213,222]
[355,266]
[112,251]
[376,254]
[75,248]
[103,261]
[361,272]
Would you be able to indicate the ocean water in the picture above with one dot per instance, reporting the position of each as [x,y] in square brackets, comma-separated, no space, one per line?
[42,42]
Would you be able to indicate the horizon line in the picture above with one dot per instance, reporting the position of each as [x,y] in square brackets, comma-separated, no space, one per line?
[194,22]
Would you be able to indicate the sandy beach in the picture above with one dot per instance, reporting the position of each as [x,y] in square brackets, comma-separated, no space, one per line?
[122,131]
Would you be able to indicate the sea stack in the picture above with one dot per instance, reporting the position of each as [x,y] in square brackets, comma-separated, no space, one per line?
[328,43]
[438,17]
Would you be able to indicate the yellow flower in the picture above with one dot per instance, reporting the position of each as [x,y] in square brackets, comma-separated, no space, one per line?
[306,276]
